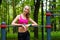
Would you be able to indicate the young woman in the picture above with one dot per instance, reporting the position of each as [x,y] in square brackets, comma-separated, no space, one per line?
[23,20]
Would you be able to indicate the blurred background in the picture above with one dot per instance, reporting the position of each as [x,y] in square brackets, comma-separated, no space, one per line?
[9,9]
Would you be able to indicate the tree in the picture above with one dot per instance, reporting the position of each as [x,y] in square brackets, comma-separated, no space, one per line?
[54,6]
[58,8]
[53,11]
[36,11]
[3,12]
[14,14]
[0,1]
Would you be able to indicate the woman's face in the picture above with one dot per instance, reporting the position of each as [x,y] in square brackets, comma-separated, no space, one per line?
[26,9]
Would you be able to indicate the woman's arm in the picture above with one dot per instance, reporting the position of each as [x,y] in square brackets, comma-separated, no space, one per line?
[15,24]
[33,22]
[15,20]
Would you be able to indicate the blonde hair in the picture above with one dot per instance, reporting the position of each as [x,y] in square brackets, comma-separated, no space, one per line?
[27,15]
[27,7]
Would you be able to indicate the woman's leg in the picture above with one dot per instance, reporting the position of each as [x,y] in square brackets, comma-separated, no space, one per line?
[27,36]
[20,36]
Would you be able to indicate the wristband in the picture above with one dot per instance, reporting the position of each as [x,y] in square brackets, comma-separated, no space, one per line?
[30,24]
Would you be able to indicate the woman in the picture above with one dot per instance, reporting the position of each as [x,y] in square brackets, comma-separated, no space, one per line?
[23,20]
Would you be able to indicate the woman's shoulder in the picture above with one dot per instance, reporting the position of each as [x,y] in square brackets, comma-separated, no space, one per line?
[18,15]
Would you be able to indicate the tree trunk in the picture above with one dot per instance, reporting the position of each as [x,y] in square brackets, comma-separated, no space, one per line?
[54,5]
[54,21]
[8,16]
[52,8]
[42,20]
[0,2]
[36,11]
[14,14]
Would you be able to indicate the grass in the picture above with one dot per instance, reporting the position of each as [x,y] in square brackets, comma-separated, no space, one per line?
[54,36]
[14,36]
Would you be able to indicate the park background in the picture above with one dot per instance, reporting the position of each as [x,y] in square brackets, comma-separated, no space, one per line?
[9,9]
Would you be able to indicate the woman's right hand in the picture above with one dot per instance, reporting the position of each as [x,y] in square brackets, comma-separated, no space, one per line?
[24,27]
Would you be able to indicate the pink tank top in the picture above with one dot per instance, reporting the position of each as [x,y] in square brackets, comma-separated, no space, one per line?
[22,21]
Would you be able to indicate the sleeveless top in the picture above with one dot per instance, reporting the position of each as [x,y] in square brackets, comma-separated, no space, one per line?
[22,21]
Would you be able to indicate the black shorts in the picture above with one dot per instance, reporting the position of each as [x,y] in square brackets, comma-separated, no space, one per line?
[23,36]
